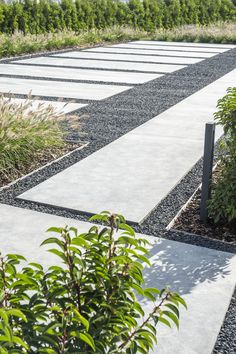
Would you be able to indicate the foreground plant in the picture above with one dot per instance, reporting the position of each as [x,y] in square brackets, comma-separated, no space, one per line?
[222,205]
[90,302]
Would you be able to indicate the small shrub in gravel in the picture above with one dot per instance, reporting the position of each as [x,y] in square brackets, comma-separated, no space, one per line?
[24,132]
[87,302]
[222,205]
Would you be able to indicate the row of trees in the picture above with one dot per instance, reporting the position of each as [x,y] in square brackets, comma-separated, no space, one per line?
[39,16]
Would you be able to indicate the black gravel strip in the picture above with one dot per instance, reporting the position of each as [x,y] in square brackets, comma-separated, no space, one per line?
[45,78]
[145,54]
[41,54]
[86,68]
[48,98]
[114,59]
[113,117]
[165,48]
[179,44]
[226,340]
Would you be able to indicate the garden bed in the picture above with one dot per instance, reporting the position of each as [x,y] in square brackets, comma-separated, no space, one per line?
[41,159]
[189,221]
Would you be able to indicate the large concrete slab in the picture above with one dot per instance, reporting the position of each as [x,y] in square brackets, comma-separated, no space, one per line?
[129,57]
[171,48]
[106,65]
[187,44]
[60,107]
[77,74]
[204,277]
[131,49]
[59,89]
[134,173]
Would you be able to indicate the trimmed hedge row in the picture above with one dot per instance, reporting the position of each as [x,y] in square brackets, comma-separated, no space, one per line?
[41,16]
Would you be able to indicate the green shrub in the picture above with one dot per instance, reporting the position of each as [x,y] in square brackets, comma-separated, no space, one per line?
[222,205]
[24,132]
[88,303]
[35,17]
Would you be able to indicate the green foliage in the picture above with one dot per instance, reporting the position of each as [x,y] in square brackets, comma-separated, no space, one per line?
[222,206]
[16,44]
[87,302]
[25,131]
[35,17]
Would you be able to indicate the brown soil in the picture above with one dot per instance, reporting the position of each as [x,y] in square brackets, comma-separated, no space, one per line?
[189,221]
[41,158]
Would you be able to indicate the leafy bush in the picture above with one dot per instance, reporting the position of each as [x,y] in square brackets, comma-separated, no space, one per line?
[24,132]
[222,206]
[35,17]
[88,302]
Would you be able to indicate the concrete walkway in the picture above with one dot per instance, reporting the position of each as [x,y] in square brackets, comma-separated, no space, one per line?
[132,174]
[204,277]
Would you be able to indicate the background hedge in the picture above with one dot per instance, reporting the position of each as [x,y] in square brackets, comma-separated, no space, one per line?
[40,16]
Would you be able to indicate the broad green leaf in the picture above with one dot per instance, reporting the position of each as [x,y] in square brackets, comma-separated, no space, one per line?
[17,313]
[172,317]
[82,319]
[85,337]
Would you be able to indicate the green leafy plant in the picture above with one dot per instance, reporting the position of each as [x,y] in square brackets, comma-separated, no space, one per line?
[222,205]
[35,17]
[88,302]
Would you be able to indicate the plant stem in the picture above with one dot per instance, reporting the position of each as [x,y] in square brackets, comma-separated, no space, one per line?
[132,335]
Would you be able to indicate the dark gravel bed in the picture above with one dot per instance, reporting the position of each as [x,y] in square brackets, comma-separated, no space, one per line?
[113,117]
[189,221]
[226,340]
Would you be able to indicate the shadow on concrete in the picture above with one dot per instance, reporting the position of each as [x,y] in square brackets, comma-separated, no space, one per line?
[181,266]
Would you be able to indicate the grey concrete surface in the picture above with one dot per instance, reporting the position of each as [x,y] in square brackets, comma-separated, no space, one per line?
[131,49]
[185,44]
[59,89]
[100,64]
[204,277]
[60,107]
[130,58]
[171,48]
[135,172]
[77,74]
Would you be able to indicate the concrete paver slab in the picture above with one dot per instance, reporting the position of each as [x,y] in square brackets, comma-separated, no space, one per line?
[58,89]
[204,277]
[106,65]
[134,173]
[187,44]
[60,107]
[130,58]
[171,48]
[77,74]
[131,49]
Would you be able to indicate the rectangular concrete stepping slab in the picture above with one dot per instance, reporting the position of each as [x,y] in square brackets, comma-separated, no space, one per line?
[172,48]
[59,89]
[189,44]
[130,49]
[135,172]
[60,107]
[106,65]
[129,58]
[77,74]
[204,277]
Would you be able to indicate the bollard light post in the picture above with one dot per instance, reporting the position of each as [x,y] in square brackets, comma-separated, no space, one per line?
[207,169]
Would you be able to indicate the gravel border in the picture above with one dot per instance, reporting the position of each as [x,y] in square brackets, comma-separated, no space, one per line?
[113,117]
